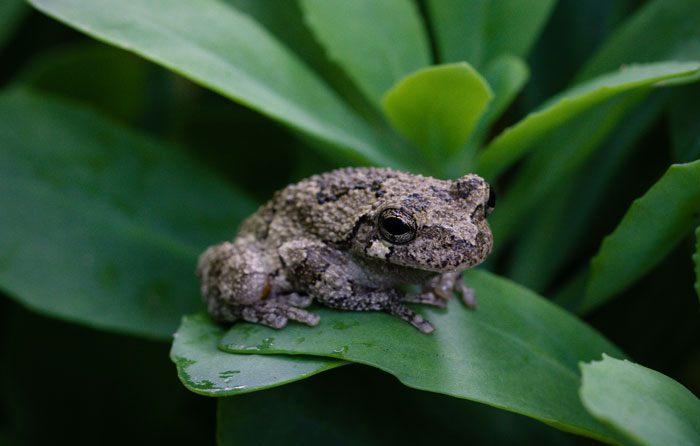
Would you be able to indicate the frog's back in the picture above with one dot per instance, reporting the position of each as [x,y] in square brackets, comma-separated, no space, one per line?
[325,206]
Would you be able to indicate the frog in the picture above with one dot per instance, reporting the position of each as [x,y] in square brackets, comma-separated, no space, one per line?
[351,239]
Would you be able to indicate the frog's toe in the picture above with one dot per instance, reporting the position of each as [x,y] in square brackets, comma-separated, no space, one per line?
[468,295]
[428,298]
[303,316]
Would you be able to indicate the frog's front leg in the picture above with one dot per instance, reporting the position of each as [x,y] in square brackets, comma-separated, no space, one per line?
[445,284]
[335,281]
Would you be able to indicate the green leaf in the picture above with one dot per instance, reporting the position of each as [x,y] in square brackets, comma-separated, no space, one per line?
[376,43]
[382,412]
[696,259]
[513,26]
[118,87]
[206,370]
[12,13]
[676,32]
[436,108]
[517,351]
[217,47]
[648,407]
[556,158]
[651,228]
[683,116]
[559,217]
[517,140]
[480,31]
[101,225]
[459,28]
[506,75]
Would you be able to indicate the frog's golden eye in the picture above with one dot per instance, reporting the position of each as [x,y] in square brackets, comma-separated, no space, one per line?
[396,226]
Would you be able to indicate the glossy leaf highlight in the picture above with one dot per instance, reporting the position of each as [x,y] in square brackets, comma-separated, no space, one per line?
[206,370]
[517,351]
[647,406]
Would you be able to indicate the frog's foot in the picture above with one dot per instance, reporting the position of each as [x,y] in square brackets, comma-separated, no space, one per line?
[296,300]
[428,298]
[445,284]
[275,313]
[398,309]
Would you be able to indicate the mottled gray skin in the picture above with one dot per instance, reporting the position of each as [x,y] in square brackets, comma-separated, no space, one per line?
[345,239]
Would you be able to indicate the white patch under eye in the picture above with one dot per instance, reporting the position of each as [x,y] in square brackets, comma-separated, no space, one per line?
[378,249]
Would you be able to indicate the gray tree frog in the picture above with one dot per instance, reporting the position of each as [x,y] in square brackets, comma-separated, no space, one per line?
[346,239]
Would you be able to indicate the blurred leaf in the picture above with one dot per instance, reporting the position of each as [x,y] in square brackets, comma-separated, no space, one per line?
[660,30]
[651,228]
[216,46]
[480,31]
[517,140]
[506,75]
[109,380]
[459,28]
[358,405]
[515,352]
[101,225]
[684,116]
[696,259]
[206,370]
[562,218]
[12,13]
[512,26]
[436,108]
[647,406]
[558,156]
[376,43]
[103,76]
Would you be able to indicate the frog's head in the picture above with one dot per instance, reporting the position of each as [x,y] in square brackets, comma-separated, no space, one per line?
[436,226]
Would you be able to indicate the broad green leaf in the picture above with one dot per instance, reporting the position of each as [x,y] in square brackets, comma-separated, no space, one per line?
[651,228]
[512,26]
[376,43]
[480,31]
[11,14]
[506,75]
[683,116]
[317,412]
[110,79]
[101,225]
[214,45]
[558,156]
[659,30]
[696,259]
[646,406]
[561,218]
[436,108]
[206,370]
[517,351]
[517,140]
[459,29]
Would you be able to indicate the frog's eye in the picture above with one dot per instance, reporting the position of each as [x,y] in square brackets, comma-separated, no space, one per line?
[491,202]
[396,226]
